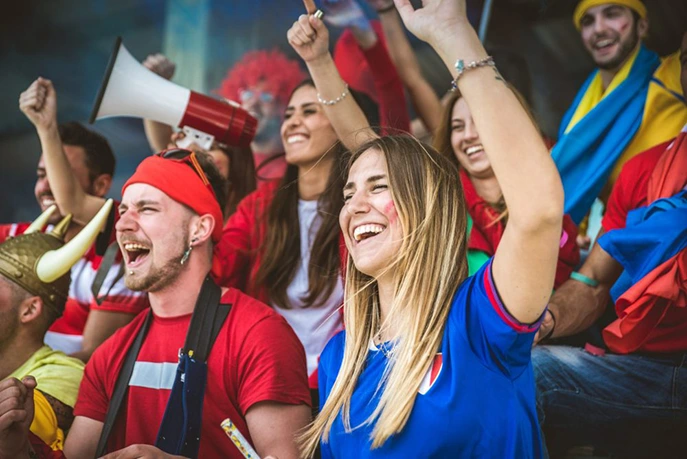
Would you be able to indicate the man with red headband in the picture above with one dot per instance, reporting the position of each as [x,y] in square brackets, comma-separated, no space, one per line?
[252,370]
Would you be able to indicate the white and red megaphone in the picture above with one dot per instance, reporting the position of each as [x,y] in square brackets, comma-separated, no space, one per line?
[130,89]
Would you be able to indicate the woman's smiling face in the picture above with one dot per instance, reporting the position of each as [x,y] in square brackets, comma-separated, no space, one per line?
[368,219]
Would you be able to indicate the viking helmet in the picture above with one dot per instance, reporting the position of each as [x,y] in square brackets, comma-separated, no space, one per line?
[40,262]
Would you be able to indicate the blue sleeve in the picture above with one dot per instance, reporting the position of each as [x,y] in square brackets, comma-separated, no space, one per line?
[493,334]
[328,369]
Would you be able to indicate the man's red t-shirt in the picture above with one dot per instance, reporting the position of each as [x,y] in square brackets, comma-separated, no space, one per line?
[631,188]
[256,357]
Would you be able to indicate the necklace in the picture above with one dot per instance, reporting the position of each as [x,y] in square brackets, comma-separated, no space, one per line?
[386,349]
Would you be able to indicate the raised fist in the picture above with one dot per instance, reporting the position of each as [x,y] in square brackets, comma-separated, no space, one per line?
[39,104]
[309,37]
[159,64]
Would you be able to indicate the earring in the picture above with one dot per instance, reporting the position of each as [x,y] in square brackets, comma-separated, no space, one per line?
[187,254]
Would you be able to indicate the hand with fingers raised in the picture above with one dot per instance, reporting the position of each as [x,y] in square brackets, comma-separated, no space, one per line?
[433,22]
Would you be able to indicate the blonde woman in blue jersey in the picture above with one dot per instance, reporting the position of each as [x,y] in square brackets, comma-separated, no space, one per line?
[434,363]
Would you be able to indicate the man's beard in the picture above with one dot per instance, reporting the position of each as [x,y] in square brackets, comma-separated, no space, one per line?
[624,50]
[160,277]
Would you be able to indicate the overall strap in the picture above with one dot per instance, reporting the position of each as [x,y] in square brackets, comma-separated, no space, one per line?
[122,385]
[106,263]
[180,429]
[207,320]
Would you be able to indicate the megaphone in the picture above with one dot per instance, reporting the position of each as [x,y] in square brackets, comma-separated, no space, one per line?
[130,89]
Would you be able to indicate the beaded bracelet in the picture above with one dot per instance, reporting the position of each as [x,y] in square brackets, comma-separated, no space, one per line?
[461,68]
[333,101]
[584,279]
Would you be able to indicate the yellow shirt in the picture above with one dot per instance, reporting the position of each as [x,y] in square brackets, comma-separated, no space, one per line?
[57,375]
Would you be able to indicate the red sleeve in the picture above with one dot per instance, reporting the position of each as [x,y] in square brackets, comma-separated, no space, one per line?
[93,400]
[630,190]
[393,110]
[271,364]
[234,249]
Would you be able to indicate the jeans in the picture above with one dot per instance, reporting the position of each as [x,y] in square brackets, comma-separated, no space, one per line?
[627,405]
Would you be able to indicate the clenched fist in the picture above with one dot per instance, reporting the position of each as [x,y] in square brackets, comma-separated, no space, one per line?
[39,104]
[16,415]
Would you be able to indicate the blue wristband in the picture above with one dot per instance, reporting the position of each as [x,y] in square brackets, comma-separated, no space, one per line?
[584,279]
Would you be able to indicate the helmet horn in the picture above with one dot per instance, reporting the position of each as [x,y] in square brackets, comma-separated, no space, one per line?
[56,263]
[41,221]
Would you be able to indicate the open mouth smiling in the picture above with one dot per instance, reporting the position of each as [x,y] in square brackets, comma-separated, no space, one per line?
[367,231]
[135,253]
[473,150]
[604,44]
[296,138]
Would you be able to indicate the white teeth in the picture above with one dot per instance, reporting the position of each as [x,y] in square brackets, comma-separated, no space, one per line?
[130,247]
[367,229]
[48,202]
[602,43]
[296,138]
[474,149]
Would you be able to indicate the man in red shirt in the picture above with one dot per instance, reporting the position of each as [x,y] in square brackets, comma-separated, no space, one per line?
[630,400]
[256,372]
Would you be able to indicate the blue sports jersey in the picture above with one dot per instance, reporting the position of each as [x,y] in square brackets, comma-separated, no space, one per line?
[477,399]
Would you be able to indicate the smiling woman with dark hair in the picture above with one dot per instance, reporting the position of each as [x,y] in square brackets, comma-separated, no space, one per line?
[283,244]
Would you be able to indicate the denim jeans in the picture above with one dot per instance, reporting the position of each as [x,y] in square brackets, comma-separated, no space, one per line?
[627,405]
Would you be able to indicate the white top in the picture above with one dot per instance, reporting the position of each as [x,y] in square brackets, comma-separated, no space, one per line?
[317,324]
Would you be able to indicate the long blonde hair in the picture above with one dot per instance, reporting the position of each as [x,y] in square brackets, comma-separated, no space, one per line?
[431,264]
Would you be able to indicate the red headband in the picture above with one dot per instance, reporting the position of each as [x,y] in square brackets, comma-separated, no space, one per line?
[181,183]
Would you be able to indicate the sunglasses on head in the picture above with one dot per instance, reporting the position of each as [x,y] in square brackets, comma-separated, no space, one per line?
[189,157]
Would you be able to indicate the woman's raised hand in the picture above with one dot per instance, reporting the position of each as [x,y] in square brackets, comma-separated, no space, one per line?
[309,37]
[434,20]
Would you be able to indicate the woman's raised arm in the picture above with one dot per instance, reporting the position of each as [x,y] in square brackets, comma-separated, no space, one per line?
[309,37]
[525,263]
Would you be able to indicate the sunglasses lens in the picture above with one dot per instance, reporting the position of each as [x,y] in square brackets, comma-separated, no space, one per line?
[245,95]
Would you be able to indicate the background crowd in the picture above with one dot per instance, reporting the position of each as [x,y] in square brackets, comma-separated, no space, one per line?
[591,209]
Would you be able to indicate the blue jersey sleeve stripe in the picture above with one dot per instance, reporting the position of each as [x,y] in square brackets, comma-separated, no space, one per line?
[501,310]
